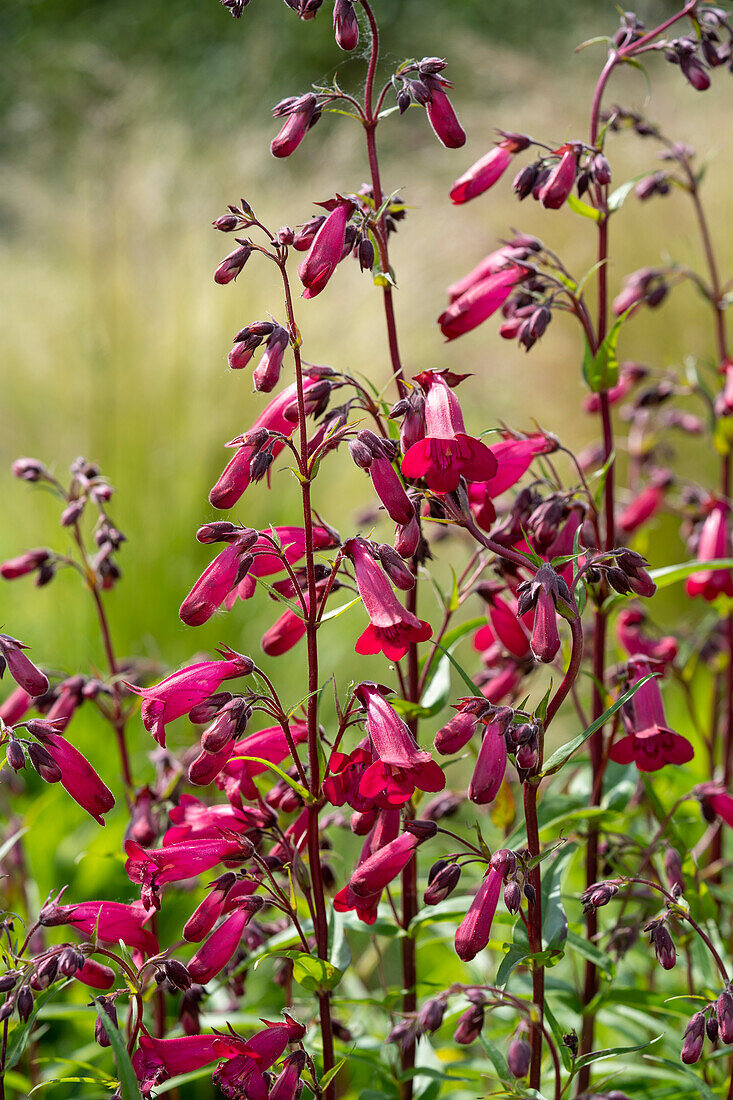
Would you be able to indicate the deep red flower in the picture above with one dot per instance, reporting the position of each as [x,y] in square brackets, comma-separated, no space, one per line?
[651,744]
[714,543]
[392,629]
[446,453]
[480,302]
[327,249]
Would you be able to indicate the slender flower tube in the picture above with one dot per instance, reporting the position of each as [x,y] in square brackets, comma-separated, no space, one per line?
[392,629]
[218,949]
[480,302]
[558,185]
[267,561]
[485,172]
[714,543]
[206,914]
[490,764]
[402,765]
[23,671]
[381,868]
[651,743]
[225,572]
[184,689]
[78,777]
[158,1059]
[236,477]
[637,644]
[267,372]
[326,251]
[472,934]
[96,975]
[300,114]
[446,453]
[177,862]
[443,118]
[108,921]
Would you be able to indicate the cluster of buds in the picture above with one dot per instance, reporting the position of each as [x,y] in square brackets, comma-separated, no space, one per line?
[713,1022]
[660,938]
[599,894]
[647,286]
[421,82]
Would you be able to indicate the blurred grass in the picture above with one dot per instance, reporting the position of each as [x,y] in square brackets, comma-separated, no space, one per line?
[115,337]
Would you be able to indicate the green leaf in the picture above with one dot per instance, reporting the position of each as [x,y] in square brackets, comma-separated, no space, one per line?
[461,671]
[554,918]
[339,952]
[558,1034]
[618,197]
[589,951]
[563,754]
[8,844]
[597,1055]
[679,1067]
[515,954]
[20,1035]
[328,1077]
[671,574]
[601,370]
[293,783]
[496,1058]
[310,972]
[334,614]
[128,1081]
[579,207]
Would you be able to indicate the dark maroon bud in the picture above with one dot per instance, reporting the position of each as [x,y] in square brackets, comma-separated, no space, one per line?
[402,1033]
[525,180]
[404,99]
[420,92]
[24,1002]
[657,295]
[693,1039]
[512,897]
[206,711]
[7,1008]
[45,575]
[470,1025]
[431,65]
[7,981]
[441,882]
[303,239]
[711,1028]
[673,869]
[177,974]
[541,178]
[230,722]
[259,465]
[599,894]
[443,805]
[539,321]
[582,183]
[430,1016]
[107,1006]
[15,757]
[70,960]
[601,169]
[422,829]
[526,757]
[663,944]
[28,469]
[529,893]
[366,254]
[224,531]
[227,223]
[518,1057]
[44,763]
[618,580]
[47,971]
[395,568]
[504,860]
[345,25]
[694,72]
[72,512]
[231,266]
[724,1012]
[361,454]
[710,53]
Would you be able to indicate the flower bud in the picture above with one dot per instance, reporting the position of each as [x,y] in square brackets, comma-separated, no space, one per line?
[693,1039]
[711,1028]
[28,469]
[513,897]
[177,974]
[663,945]
[724,1013]
[15,756]
[470,1025]
[70,960]
[47,971]
[673,869]
[24,1002]
[430,1016]
[231,266]
[345,25]
[442,881]
[44,763]
[106,1006]
[518,1057]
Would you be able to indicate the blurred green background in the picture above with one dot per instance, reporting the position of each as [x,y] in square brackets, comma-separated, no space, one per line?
[126,127]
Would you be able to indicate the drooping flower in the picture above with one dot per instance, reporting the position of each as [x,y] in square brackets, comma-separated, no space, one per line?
[381,868]
[485,172]
[177,862]
[488,773]
[558,185]
[156,1060]
[401,765]
[218,949]
[392,628]
[384,830]
[274,418]
[108,921]
[472,934]
[650,744]
[441,115]
[224,573]
[23,671]
[178,693]
[327,249]
[715,542]
[192,819]
[242,1075]
[645,504]
[78,777]
[446,453]
[480,302]
[345,24]
[268,561]
[267,372]
[300,113]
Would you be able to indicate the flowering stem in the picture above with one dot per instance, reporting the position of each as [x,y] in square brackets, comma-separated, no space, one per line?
[320,922]
[534,929]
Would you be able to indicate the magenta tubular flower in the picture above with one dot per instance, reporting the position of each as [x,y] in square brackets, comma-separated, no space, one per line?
[207,765]
[207,913]
[443,119]
[268,744]
[23,671]
[490,765]
[184,689]
[391,491]
[366,906]
[483,174]
[715,801]
[287,1085]
[299,117]
[345,771]
[645,505]
[193,820]
[78,777]
[225,572]
[446,453]
[267,562]
[545,640]
[24,564]
[480,302]
[558,185]
[392,629]
[218,949]
[284,633]
[267,372]
[651,743]
[402,765]
[637,644]
[236,477]
[714,543]
[16,706]
[242,1075]
[472,934]
[158,1059]
[492,264]
[455,734]
[381,868]
[326,251]
[109,921]
[68,698]
[96,975]
[177,862]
